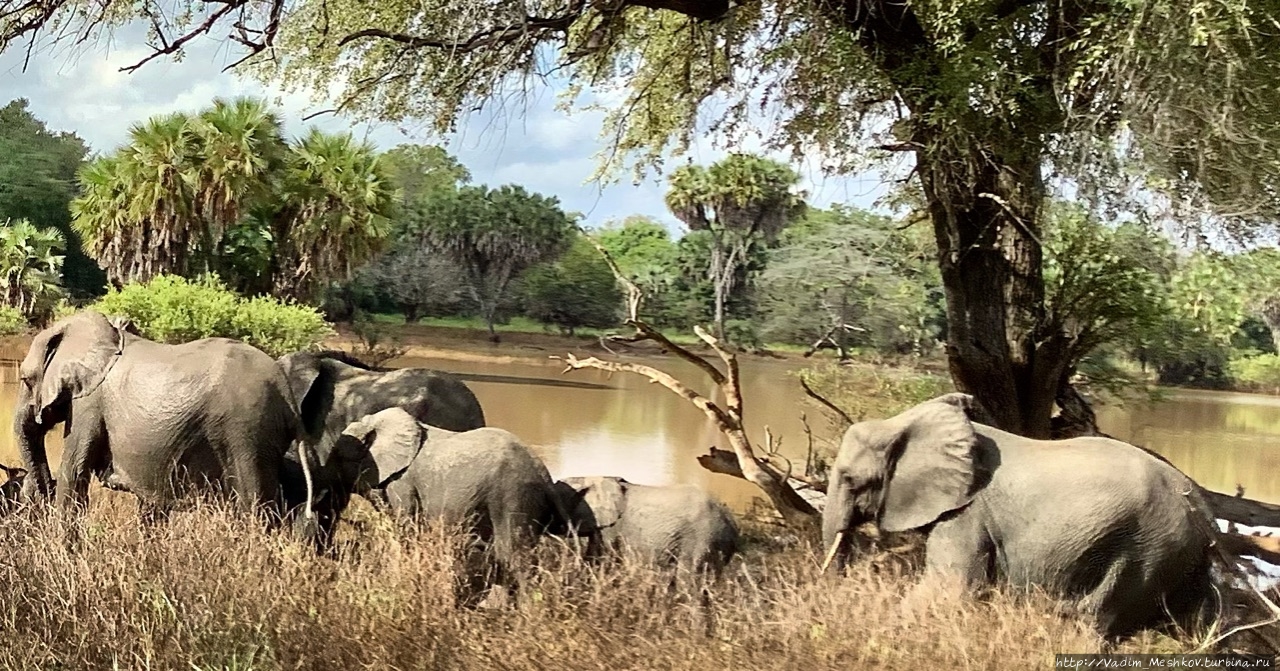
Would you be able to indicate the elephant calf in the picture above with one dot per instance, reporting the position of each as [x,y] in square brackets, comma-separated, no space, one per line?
[485,479]
[673,525]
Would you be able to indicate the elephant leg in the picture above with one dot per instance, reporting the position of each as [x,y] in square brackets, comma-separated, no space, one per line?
[85,438]
[960,548]
[254,478]
[1111,602]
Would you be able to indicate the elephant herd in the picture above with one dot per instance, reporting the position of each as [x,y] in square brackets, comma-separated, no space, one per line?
[1113,529]
[293,439]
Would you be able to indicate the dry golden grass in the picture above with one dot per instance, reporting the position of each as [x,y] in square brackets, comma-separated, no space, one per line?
[209,590]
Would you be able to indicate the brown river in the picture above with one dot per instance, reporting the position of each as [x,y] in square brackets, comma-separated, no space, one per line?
[587,422]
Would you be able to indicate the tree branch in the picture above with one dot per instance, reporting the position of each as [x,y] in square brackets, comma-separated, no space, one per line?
[486,38]
[635,297]
[821,399]
[733,393]
[707,406]
[255,46]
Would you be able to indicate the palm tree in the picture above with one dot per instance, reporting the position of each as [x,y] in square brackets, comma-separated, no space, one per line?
[336,202]
[136,212]
[242,148]
[30,267]
[222,191]
[742,201]
[100,216]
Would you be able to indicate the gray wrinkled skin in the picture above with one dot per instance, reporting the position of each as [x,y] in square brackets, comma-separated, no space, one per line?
[484,479]
[150,418]
[673,526]
[1104,524]
[333,390]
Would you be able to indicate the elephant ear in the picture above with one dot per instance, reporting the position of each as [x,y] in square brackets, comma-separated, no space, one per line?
[932,464]
[303,370]
[607,498]
[393,438]
[71,357]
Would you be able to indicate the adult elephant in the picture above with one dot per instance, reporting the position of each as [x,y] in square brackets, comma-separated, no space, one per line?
[484,479]
[1114,531]
[679,525]
[154,419]
[335,389]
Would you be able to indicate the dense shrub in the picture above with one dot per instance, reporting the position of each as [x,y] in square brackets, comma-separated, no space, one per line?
[174,309]
[12,322]
[1257,373]
[573,291]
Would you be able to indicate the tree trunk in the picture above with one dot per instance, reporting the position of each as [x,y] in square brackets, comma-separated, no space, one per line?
[412,313]
[490,314]
[1270,312]
[719,300]
[985,204]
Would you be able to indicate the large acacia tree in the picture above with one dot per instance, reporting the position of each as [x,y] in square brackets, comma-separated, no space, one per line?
[742,202]
[989,98]
[493,236]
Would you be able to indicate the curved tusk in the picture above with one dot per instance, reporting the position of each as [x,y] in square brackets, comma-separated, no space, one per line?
[831,552]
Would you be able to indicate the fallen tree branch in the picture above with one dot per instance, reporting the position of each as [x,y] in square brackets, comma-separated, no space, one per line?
[796,511]
[725,462]
[1241,510]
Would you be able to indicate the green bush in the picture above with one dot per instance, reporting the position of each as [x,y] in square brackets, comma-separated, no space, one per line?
[174,309]
[12,322]
[1257,373]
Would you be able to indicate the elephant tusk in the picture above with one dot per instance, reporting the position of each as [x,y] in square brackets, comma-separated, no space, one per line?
[831,552]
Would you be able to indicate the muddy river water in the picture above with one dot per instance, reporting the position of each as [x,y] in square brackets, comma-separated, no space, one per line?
[589,422]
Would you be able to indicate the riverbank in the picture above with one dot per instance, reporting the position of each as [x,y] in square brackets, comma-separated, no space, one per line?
[460,342]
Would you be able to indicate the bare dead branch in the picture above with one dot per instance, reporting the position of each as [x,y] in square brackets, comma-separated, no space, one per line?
[733,393]
[715,412]
[821,399]
[635,296]
[794,508]
[643,330]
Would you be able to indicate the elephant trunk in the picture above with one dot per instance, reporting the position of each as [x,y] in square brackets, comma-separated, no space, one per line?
[837,527]
[30,435]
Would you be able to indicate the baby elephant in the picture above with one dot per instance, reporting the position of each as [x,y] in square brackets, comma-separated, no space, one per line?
[484,479]
[680,525]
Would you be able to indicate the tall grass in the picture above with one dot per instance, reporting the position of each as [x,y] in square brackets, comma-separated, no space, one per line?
[210,590]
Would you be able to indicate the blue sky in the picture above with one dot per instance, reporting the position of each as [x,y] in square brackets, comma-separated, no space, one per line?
[543,149]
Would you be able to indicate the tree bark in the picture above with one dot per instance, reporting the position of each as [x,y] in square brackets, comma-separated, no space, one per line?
[412,313]
[1241,510]
[985,207]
